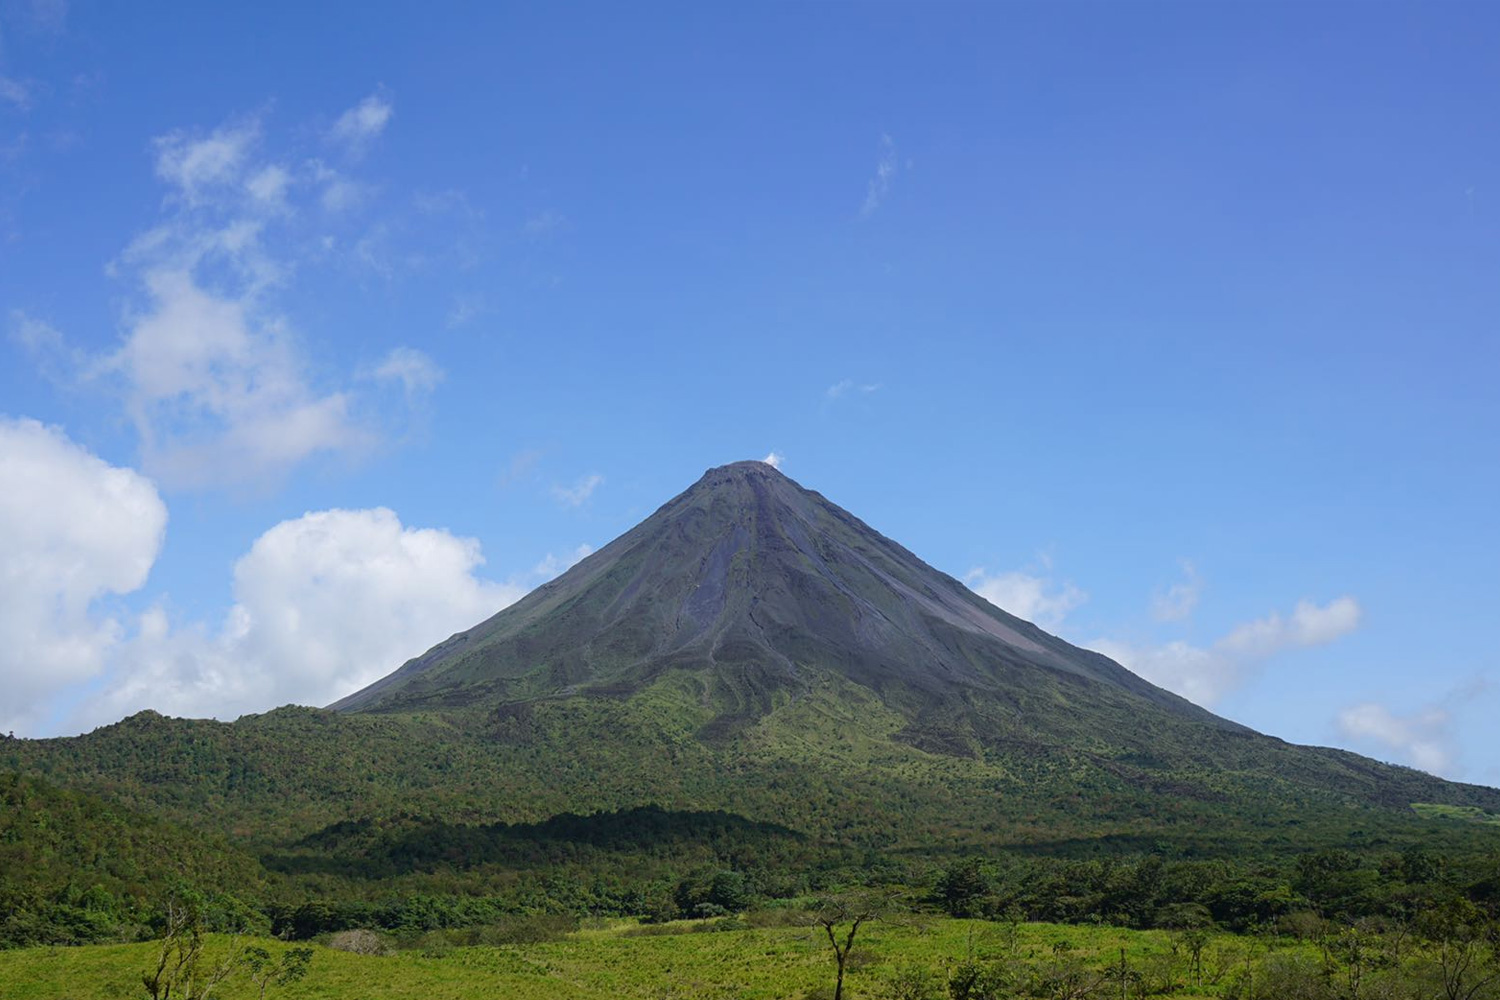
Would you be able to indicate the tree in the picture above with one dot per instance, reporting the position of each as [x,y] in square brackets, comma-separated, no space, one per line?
[1066,977]
[1468,964]
[1122,974]
[181,972]
[1357,947]
[963,886]
[265,973]
[831,915]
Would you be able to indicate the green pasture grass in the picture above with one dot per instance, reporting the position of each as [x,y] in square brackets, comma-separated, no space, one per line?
[619,960]
[1436,810]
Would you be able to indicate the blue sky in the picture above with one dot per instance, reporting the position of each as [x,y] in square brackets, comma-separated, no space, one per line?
[1171,326]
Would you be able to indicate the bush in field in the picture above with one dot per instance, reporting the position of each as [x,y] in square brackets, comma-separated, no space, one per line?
[359,942]
[714,894]
[913,982]
[973,980]
[963,886]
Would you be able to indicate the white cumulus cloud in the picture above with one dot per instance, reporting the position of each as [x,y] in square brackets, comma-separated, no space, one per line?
[1307,625]
[324,604]
[73,529]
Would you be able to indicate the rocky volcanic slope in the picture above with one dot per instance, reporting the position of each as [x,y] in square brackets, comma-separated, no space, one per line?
[757,585]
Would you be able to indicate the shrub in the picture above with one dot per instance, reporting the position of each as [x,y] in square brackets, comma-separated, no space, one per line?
[359,942]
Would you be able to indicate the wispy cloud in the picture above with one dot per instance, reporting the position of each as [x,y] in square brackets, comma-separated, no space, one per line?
[577,494]
[553,565]
[880,185]
[362,124]
[47,347]
[774,459]
[337,191]
[211,373]
[15,93]
[545,223]
[195,165]
[1206,674]
[216,386]
[1178,601]
[847,386]
[1422,737]
[45,17]
[416,372]
[1308,625]
[34,335]
[465,309]
[269,185]
[522,466]
[1038,599]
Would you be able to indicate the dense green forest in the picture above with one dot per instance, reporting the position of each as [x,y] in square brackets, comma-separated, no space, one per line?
[312,822]
[74,868]
[822,763]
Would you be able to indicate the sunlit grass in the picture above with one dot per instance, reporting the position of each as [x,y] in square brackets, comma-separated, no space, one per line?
[621,959]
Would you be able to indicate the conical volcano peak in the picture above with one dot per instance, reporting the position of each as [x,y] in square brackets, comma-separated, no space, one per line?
[741,471]
[755,587]
[748,465]
[743,493]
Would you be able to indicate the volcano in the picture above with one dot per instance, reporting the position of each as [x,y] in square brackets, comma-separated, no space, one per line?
[759,588]
[754,648]
[757,594]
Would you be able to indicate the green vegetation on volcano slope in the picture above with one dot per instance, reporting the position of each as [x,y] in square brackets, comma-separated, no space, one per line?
[77,870]
[74,868]
[453,818]
[822,761]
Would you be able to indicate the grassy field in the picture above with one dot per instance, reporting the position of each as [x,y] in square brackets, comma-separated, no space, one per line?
[624,960]
[1472,814]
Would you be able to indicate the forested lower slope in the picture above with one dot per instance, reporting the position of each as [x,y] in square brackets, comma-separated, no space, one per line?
[74,868]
